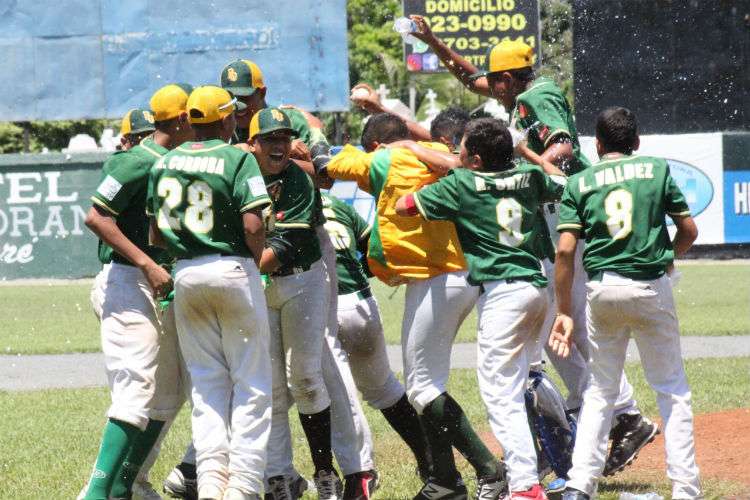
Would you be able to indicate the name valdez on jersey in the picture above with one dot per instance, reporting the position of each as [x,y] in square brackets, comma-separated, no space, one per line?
[618,173]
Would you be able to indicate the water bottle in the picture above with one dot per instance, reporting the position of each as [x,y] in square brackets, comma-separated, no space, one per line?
[640,496]
[405,27]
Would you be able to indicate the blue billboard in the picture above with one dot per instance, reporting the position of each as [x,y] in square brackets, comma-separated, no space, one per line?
[72,59]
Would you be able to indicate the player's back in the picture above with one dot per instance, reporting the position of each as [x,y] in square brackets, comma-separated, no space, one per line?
[622,203]
[197,192]
[496,215]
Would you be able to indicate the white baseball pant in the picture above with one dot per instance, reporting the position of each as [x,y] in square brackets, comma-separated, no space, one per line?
[350,433]
[361,336]
[574,369]
[434,308]
[223,329]
[619,307]
[143,383]
[510,316]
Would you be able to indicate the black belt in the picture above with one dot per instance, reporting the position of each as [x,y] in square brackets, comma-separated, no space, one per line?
[291,270]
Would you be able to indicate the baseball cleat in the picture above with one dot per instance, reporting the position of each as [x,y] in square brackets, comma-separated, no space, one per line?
[556,486]
[433,490]
[328,485]
[284,488]
[536,492]
[182,482]
[574,494]
[361,485]
[493,487]
[143,490]
[629,435]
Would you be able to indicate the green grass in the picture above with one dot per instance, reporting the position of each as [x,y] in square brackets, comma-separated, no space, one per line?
[712,299]
[49,439]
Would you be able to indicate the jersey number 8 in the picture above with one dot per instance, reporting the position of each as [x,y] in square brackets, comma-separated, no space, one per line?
[619,208]
[510,217]
[199,216]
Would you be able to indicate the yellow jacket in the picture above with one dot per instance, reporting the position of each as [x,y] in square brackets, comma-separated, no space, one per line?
[400,247]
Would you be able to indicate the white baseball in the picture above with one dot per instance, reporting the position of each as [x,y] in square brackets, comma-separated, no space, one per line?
[360,93]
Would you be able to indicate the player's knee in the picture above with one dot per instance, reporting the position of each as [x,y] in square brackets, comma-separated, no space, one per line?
[309,392]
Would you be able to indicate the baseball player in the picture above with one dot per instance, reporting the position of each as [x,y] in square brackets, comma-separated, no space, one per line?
[298,304]
[494,203]
[136,125]
[541,113]
[426,257]
[206,199]
[352,442]
[627,258]
[361,330]
[139,343]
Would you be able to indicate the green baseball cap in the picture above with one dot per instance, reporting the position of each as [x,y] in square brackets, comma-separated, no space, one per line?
[242,77]
[270,120]
[137,121]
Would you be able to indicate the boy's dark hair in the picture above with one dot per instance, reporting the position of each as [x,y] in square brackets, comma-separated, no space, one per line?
[617,130]
[491,140]
[451,124]
[384,128]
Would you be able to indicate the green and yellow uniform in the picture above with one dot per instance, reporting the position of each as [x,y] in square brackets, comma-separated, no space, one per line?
[545,112]
[122,193]
[496,218]
[196,192]
[600,202]
[297,209]
[349,233]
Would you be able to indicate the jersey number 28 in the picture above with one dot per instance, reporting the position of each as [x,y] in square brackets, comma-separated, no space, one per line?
[199,216]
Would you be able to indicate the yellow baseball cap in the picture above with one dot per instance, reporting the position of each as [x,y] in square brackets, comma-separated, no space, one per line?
[169,101]
[507,55]
[209,104]
[137,121]
[242,77]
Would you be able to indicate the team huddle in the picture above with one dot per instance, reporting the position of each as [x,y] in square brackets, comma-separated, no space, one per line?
[230,282]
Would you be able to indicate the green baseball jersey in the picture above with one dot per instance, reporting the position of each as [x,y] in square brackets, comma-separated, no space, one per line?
[545,112]
[349,233]
[496,217]
[600,201]
[297,209]
[122,192]
[198,192]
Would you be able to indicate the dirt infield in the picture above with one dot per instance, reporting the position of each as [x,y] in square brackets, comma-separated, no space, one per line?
[722,442]
[722,446]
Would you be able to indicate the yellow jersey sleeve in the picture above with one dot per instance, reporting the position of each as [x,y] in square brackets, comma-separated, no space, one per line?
[351,164]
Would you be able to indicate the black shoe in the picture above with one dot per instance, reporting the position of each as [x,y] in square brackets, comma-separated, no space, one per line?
[493,487]
[433,490]
[629,435]
[574,494]
[361,485]
[182,482]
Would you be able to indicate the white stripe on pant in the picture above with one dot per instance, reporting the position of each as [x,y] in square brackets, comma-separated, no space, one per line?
[223,329]
[619,307]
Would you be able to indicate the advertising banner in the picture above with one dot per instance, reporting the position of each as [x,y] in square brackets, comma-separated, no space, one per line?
[471,27]
[43,205]
[737,188]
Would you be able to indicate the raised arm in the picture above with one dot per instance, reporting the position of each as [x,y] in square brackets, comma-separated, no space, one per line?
[439,162]
[460,67]
[371,103]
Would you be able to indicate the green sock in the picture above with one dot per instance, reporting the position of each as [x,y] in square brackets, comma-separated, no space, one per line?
[142,444]
[446,414]
[116,441]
